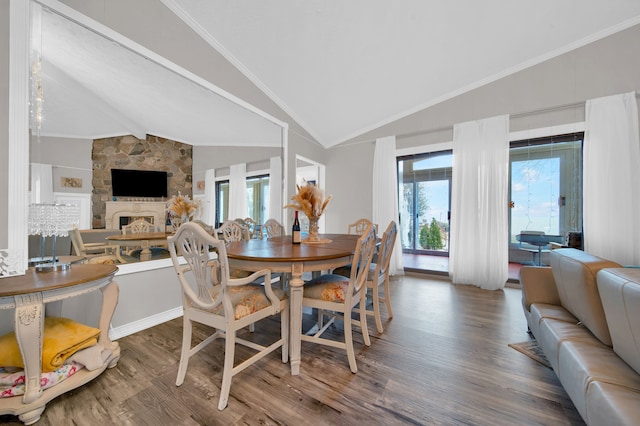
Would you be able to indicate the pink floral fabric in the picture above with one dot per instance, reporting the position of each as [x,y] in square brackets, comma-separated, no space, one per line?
[12,379]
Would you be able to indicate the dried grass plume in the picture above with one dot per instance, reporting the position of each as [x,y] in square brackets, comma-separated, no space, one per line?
[310,200]
[181,206]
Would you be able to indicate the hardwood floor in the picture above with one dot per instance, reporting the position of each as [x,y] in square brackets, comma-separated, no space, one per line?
[439,265]
[442,360]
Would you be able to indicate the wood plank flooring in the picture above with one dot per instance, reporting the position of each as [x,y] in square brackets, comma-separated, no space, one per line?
[442,360]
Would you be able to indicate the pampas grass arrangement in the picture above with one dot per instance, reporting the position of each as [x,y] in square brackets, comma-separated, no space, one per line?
[182,206]
[310,200]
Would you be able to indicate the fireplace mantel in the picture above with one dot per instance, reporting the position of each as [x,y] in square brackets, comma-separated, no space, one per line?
[117,209]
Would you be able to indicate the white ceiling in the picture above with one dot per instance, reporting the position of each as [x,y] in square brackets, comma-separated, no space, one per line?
[95,88]
[339,68]
[342,68]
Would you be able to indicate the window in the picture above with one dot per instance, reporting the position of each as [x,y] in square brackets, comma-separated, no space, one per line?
[257,199]
[222,202]
[425,192]
[546,185]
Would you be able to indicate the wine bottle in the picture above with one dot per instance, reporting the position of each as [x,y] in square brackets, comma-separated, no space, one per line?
[295,230]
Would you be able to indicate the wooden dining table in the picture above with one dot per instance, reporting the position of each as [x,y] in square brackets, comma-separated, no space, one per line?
[140,239]
[278,254]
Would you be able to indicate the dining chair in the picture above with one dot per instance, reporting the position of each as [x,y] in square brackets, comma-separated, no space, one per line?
[338,296]
[211,297]
[254,229]
[89,250]
[273,228]
[378,275]
[140,226]
[232,230]
[210,229]
[360,225]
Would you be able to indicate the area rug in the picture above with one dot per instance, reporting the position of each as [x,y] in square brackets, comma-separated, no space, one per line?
[531,349]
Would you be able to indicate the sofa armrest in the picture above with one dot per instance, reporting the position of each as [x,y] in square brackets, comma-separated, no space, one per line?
[538,286]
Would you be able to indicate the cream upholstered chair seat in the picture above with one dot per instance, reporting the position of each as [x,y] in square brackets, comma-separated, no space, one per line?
[378,275]
[337,296]
[211,297]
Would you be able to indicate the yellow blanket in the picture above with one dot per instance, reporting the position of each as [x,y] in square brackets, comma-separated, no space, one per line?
[62,338]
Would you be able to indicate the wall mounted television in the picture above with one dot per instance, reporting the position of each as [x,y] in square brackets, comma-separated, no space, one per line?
[139,183]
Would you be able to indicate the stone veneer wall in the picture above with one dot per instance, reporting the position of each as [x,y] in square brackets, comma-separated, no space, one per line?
[129,152]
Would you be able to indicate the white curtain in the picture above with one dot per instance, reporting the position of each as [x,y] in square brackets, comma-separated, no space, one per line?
[479,203]
[611,179]
[275,189]
[41,183]
[238,191]
[209,207]
[385,195]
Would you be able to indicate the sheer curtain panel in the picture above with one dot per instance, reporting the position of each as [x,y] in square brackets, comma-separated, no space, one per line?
[209,213]
[238,191]
[385,194]
[612,179]
[479,202]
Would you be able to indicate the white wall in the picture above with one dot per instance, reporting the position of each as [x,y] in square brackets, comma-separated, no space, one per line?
[547,94]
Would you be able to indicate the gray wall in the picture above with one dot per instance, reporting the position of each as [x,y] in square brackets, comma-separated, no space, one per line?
[69,158]
[221,157]
[547,94]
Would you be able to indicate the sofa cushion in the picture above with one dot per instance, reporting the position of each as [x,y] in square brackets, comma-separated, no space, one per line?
[612,405]
[620,294]
[580,363]
[553,332]
[539,311]
[574,272]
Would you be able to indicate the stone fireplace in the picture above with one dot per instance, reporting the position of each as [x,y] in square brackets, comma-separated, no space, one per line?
[119,213]
[129,152]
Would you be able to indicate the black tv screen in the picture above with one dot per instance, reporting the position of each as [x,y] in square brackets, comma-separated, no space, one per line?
[139,183]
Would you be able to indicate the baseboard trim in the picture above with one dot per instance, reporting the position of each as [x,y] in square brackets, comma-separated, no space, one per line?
[148,322]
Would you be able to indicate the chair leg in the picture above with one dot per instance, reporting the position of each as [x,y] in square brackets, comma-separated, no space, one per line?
[284,333]
[184,353]
[348,340]
[376,307]
[363,321]
[227,372]
[387,297]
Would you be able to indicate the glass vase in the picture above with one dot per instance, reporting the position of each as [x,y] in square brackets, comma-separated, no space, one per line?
[313,229]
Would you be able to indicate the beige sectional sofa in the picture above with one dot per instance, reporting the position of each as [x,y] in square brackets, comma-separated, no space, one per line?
[584,312]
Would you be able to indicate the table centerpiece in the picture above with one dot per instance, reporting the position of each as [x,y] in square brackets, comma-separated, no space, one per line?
[311,201]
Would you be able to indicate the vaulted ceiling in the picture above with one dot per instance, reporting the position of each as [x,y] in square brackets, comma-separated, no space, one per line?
[342,68]
[339,68]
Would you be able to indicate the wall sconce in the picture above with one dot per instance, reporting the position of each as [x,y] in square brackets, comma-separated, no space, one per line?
[52,220]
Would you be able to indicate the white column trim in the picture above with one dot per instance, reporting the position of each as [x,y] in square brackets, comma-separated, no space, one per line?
[18,152]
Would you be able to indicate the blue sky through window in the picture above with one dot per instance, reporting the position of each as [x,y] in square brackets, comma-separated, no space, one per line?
[535,186]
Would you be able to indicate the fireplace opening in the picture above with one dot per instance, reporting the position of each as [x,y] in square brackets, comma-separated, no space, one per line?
[125,220]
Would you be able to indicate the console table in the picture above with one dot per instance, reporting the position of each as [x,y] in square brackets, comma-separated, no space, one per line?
[28,295]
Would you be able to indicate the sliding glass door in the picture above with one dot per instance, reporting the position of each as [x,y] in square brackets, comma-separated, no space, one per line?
[546,186]
[425,193]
